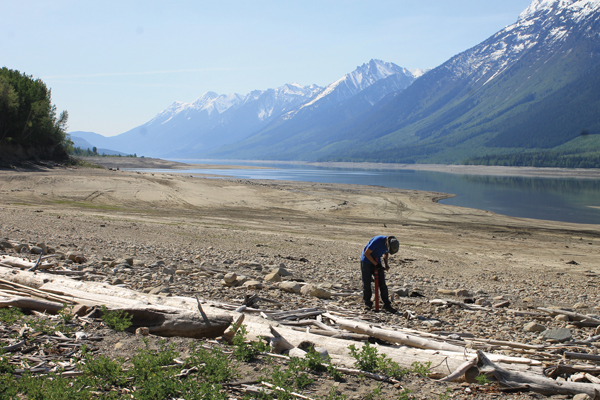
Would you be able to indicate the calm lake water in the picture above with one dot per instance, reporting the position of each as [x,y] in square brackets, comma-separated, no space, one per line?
[564,199]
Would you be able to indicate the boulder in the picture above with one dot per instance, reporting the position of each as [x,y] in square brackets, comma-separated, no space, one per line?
[20,247]
[76,256]
[483,302]
[252,284]
[240,280]
[230,277]
[560,335]
[534,327]
[273,277]
[291,287]
[315,291]
[36,250]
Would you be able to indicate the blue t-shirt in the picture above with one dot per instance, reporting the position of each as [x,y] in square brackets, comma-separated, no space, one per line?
[378,248]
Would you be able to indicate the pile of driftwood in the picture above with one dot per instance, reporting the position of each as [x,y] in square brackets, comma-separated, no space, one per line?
[333,329]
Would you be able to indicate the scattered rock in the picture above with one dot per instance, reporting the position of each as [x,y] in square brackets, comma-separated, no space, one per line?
[36,250]
[560,335]
[562,317]
[534,327]
[20,247]
[160,290]
[432,323]
[273,277]
[462,293]
[582,396]
[288,286]
[230,278]
[252,284]
[76,256]
[315,291]
[143,331]
[446,292]
[483,302]
[502,304]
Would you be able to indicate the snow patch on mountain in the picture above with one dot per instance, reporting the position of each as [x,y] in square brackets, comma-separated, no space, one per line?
[360,79]
[534,26]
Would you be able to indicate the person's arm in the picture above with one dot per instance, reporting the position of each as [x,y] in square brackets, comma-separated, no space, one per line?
[385,261]
[370,257]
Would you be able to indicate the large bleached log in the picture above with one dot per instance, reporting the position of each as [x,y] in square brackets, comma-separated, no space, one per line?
[535,382]
[174,322]
[164,316]
[393,336]
[441,364]
[422,343]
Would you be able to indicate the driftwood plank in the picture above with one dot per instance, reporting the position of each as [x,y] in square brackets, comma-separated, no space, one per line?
[534,382]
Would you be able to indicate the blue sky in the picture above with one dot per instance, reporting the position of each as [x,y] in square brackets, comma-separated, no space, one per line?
[113,65]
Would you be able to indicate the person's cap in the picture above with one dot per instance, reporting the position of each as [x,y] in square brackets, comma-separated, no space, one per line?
[393,244]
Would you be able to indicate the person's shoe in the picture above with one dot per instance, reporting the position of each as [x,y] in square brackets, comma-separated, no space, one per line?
[367,307]
[390,309]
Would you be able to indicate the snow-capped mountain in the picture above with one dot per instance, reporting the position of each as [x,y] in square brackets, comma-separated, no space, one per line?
[533,85]
[303,131]
[194,129]
[356,81]
[545,25]
[188,129]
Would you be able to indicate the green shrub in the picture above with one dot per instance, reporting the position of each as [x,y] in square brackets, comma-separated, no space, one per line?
[244,351]
[423,369]
[117,320]
[368,360]
[10,315]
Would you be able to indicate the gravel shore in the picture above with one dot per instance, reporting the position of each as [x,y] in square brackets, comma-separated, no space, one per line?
[174,227]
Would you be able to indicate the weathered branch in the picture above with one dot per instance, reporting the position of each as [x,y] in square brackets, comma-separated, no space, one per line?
[536,383]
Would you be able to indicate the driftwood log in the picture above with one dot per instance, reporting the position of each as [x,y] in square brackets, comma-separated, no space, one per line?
[393,336]
[442,365]
[534,382]
[30,304]
[24,264]
[175,322]
[163,316]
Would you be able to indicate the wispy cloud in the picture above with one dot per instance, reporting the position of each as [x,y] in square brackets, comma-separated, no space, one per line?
[105,74]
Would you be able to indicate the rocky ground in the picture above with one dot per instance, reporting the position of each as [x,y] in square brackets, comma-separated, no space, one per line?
[181,235]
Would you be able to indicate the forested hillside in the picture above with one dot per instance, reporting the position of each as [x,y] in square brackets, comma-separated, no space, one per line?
[29,126]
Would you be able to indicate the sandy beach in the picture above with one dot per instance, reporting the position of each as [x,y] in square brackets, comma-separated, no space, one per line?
[315,230]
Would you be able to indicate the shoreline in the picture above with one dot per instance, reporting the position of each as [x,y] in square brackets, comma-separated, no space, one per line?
[490,170]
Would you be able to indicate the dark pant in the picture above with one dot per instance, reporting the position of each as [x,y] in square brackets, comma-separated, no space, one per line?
[368,270]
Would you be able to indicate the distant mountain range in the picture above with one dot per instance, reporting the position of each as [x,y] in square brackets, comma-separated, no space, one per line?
[535,85]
